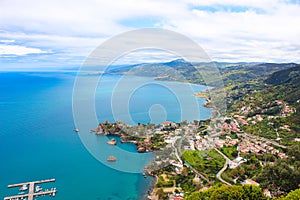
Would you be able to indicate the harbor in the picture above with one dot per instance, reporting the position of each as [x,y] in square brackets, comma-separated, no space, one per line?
[33,190]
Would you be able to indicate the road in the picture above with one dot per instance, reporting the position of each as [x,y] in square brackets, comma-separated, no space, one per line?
[227,162]
[195,171]
[186,163]
[176,151]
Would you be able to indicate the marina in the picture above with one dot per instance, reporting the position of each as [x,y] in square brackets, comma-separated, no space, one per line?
[31,192]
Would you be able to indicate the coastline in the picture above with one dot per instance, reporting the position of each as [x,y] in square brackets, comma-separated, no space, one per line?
[141,145]
[152,190]
[205,95]
[117,129]
[120,130]
[202,94]
[101,130]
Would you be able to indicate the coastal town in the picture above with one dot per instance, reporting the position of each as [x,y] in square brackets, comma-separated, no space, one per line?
[254,145]
[170,140]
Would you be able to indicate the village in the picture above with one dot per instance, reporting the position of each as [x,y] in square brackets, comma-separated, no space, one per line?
[229,135]
[170,140]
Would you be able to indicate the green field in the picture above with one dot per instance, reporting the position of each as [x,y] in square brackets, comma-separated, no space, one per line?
[230,152]
[206,162]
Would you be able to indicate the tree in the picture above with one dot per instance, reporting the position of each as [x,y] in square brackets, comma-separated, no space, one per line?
[293,195]
[294,152]
[282,176]
[160,192]
[224,192]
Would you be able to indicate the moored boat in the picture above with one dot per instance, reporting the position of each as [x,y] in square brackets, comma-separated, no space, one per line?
[38,188]
[111,159]
[24,187]
[112,141]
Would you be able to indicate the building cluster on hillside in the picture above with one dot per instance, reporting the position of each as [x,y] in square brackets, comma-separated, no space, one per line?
[191,139]
[245,143]
[257,145]
[232,126]
[285,110]
[252,120]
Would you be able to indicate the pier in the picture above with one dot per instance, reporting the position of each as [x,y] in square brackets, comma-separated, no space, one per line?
[31,191]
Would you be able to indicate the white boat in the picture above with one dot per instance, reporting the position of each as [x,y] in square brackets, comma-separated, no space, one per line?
[38,188]
[24,187]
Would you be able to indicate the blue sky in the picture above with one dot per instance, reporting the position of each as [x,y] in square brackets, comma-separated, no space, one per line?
[57,34]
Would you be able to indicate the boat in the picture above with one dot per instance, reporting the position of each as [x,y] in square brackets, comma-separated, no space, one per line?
[76,130]
[112,141]
[24,187]
[38,188]
[144,175]
[111,159]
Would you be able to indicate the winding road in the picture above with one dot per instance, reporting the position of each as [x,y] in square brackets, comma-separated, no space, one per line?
[176,151]
[185,162]
[228,161]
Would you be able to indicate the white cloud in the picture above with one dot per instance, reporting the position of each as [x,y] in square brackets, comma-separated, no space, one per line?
[18,50]
[7,41]
[248,30]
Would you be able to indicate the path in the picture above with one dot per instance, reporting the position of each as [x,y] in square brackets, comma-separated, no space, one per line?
[227,162]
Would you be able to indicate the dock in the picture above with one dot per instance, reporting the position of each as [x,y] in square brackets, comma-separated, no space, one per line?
[31,193]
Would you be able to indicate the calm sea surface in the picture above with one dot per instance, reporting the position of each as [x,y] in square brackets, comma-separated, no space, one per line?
[37,141]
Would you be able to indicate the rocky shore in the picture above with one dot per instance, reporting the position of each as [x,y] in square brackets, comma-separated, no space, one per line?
[203,94]
[124,131]
[152,190]
[119,129]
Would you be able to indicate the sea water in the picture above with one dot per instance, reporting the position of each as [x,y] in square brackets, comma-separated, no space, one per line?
[37,139]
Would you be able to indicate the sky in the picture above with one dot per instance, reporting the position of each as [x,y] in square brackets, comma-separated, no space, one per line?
[57,34]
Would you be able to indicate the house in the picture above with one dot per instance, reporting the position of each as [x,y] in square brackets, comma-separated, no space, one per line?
[259,117]
[196,180]
[234,127]
[169,124]
[204,188]
[244,122]
[225,126]
[176,196]
[267,193]
[250,182]
[274,151]
[219,143]
[177,164]
[282,155]
[178,170]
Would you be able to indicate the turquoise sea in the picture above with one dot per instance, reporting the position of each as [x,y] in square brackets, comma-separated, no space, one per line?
[37,141]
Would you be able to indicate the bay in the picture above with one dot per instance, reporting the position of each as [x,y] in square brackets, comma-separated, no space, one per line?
[37,141]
